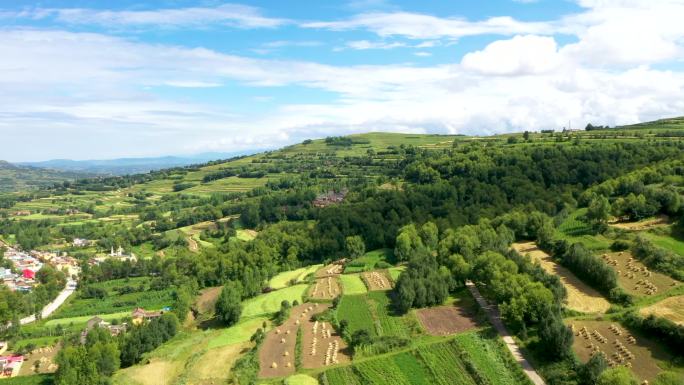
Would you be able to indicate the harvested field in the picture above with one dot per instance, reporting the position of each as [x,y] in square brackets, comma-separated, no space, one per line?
[377,280]
[670,308]
[45,356]
[328,270]
[154,373]
[581,297]
[277,353]
[279,345]
[619,345]
[321,345]
[635,277]
[660,221]
[446,320]
[326,288]
[212,367]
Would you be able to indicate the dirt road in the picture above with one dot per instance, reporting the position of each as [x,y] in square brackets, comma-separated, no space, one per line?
[495,318]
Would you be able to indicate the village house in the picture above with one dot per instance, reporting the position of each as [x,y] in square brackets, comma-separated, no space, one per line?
[330,198]
[10,365]
[21,213]
[80,242]
[140,315]
[97,322]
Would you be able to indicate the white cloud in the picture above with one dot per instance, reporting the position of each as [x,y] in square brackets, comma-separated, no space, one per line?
[521,55]
[86,101]
[227,14]
[421,26]
[365,44]
[422,54]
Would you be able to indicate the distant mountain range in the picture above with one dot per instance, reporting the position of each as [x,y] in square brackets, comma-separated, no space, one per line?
[17,177]
[124,166]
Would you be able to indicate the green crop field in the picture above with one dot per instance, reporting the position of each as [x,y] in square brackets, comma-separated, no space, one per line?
[439,363]
[352,284]
[668,242]
[301,379]
[114,302]
[356,310]
[83,319]
[283,279]
[270,302]
[236,333]
[373,312]
[369,261]
[575,229]
[491,359]
[388,324]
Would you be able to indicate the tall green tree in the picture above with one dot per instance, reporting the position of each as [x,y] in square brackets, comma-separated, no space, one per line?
[355,246]
[228,306]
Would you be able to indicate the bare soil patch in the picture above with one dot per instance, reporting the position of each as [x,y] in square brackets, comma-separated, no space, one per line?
[619,345]
[326,288]
[207,299]
[377,280]
[670,308]
[321,345]
[635,277]
[660,221]
[581,297]
[446,320]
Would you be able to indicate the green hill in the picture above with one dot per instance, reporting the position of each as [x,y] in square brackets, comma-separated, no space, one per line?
[21,178]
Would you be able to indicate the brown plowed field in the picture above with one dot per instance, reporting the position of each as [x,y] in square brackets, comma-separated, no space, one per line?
[445,320]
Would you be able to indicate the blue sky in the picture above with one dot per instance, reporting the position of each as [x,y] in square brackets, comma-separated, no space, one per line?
[93,79]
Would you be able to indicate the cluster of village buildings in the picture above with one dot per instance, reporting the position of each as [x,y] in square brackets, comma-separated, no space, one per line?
[25,265]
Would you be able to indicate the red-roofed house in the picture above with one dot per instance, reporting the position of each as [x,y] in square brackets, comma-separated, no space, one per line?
[28,274]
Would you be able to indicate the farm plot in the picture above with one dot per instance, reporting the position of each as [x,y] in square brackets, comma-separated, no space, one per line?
[373,312]
[635,277]
[670,308]
[352,284]
[377,280]
[445,320]
[369,261]
[293,276]
[659,221]
[439,363]
[581,297]
[328,270]
[386,322]
[270,302]
[619,345]
[355,310]
[326,288]
[321,345]
[491,359]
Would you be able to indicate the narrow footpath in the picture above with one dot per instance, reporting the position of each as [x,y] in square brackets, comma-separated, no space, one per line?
[495,318]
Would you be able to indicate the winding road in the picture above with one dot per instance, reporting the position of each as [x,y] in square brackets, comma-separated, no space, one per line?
[495,318]
[55,304]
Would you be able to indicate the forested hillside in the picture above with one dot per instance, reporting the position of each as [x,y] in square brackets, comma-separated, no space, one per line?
[412,217]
